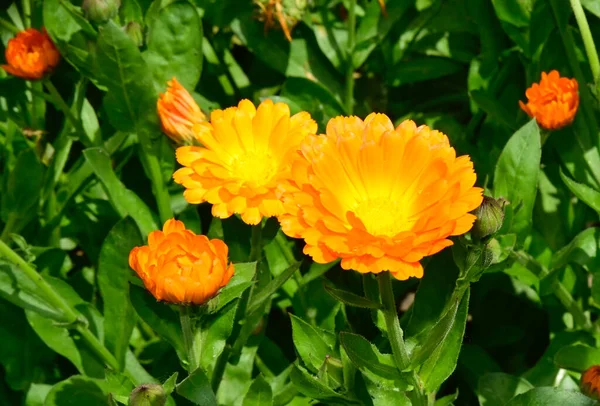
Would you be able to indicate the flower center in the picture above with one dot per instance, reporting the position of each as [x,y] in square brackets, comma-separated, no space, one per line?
[383,216]
[257,168]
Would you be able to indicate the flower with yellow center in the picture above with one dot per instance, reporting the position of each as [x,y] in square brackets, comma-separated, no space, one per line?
[180,267]
[179,113]
[378,197]
[246,153]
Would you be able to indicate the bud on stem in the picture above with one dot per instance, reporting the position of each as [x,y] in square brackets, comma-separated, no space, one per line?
[100,11]
[490,216]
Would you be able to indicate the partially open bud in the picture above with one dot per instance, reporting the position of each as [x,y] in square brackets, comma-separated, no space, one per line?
[590,382]
[490,216]
[99,11]
[134,31]
[148,395]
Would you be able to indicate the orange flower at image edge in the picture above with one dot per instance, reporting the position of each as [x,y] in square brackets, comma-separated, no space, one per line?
[181,267]
[590,382]
[179,113]
[247,152]
[553,102]
[31,54]
[377,197]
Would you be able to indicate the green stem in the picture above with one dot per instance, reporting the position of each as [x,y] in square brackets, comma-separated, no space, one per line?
[13,218]
[9,26]
[350,57]
[163,200]
[395,335]
[561,292]
[63,106]
[188,330]
[588,41]
[27,13]
[99,349]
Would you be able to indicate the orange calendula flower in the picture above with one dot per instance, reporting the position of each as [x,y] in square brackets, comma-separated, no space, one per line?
[553,102]
[590,382]
[31,54]
[181,267]
[247,153]
[179,113]
[377,197]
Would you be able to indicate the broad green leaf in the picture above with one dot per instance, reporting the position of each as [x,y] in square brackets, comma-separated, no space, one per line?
[160,317]
[20,198]
[382,392]
[577,357]
[442,361]
[77,389]
[514,12]
[581,250]
[170,384]
[351,299]
[551,396]
[447,400]
[175,46]
[113,281]
[36,394]
[196,388]
[216,329]
[589,196]
[309,343]
[312,387]
[117,383]
[125,202]
[240,281]
[366,356]
[261,296]
[516,176]
[259,393]
[495,389]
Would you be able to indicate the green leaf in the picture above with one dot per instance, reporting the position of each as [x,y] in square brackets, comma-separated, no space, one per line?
[495,389]
[261,296]
[350,298]
[175,46]
[113,281]
[20,198]
[259,393]
[366,356]
[583,192]
[309,342]
[170,384]
[494,108]
[551,396]
[118,384]
[382,392]
[215,330]
[447,400]
[160,317]
[442,361]
[125,202]
[581,250]
[311,387]
[79,390]
[516,176]
[36,394]
[577,357]
[196,388]
[240,281]
[313,97]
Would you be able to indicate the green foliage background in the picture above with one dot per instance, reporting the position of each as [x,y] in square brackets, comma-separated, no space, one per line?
[77,195]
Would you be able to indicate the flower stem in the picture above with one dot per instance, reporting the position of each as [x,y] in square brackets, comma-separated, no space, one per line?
[350,57]
[395,335]
[188,330]
[13,218]
[588,41]
[63,106]
[27,13]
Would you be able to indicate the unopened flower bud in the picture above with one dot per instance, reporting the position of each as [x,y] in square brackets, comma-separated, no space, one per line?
[148,395]
[100,11]
[491,253]
[490,216]
[590,382]
[134,31]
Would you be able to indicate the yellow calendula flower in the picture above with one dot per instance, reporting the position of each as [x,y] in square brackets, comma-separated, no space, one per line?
[246,153]
[378,197]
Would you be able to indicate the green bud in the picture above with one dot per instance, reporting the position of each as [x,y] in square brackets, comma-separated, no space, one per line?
[491,253]
[134,31]
[148,395]
[100,11]
[490,216]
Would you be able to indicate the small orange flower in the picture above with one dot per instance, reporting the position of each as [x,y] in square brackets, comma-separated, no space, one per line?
[179,113]
[377,197]
[247,153]
[31,54]
[590,382]
[181,267]
[553,102]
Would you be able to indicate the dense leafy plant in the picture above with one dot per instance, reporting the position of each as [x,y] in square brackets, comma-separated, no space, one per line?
[506,316]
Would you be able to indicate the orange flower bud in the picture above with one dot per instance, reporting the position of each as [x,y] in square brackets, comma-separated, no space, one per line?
[553,102]
[31,54]
[590,382]
[178,113]
[181,267]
